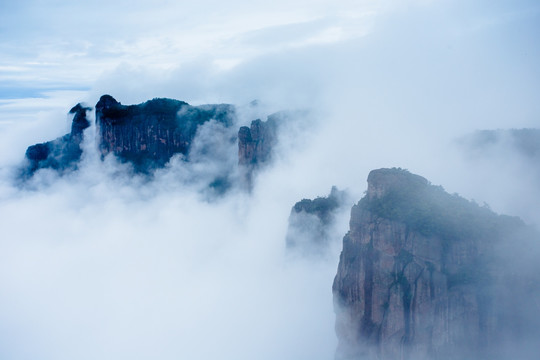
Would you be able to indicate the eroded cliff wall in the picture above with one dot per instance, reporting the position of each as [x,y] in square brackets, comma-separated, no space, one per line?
[255,145]
[423,275]
[149,134]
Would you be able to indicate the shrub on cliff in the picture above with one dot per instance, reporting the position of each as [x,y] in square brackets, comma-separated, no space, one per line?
[430,210]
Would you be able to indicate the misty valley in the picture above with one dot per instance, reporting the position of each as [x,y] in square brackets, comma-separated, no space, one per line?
[421,273]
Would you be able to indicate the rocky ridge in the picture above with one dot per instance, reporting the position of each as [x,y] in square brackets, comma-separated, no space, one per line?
[149,134]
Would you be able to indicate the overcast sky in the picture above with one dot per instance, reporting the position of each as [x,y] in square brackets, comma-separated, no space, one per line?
[96,265]
[48,45]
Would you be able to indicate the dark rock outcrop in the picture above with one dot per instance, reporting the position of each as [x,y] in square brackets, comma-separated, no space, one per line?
[428,275]
[63,153]
[149,134]
[311,220]
[255,145]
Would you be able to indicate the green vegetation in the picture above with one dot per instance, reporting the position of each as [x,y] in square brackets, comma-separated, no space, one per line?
[160,106]
[322,207]
[169,112]
[166,109]
[431,211]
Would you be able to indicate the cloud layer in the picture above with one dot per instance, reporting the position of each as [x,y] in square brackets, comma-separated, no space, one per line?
[98,264]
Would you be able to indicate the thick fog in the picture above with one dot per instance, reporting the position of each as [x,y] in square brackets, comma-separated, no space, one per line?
[101,264]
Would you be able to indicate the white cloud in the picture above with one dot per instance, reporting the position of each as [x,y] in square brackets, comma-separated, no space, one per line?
[79,41]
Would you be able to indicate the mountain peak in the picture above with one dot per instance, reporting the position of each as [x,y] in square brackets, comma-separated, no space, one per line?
[383,181]
[106,101]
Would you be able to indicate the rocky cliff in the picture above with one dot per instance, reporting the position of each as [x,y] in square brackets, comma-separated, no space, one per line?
[149,134]
[311,221]
[255,144]
[428,275]
[63,153]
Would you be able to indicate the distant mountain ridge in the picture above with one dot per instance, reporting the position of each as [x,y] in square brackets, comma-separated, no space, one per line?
[147,135]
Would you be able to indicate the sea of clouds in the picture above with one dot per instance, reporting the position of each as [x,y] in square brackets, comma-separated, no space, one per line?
[101,264]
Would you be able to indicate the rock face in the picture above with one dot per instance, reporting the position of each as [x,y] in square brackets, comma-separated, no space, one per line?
[311,220]
[149,134]
[255,145]
[63,153]
[428,275]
